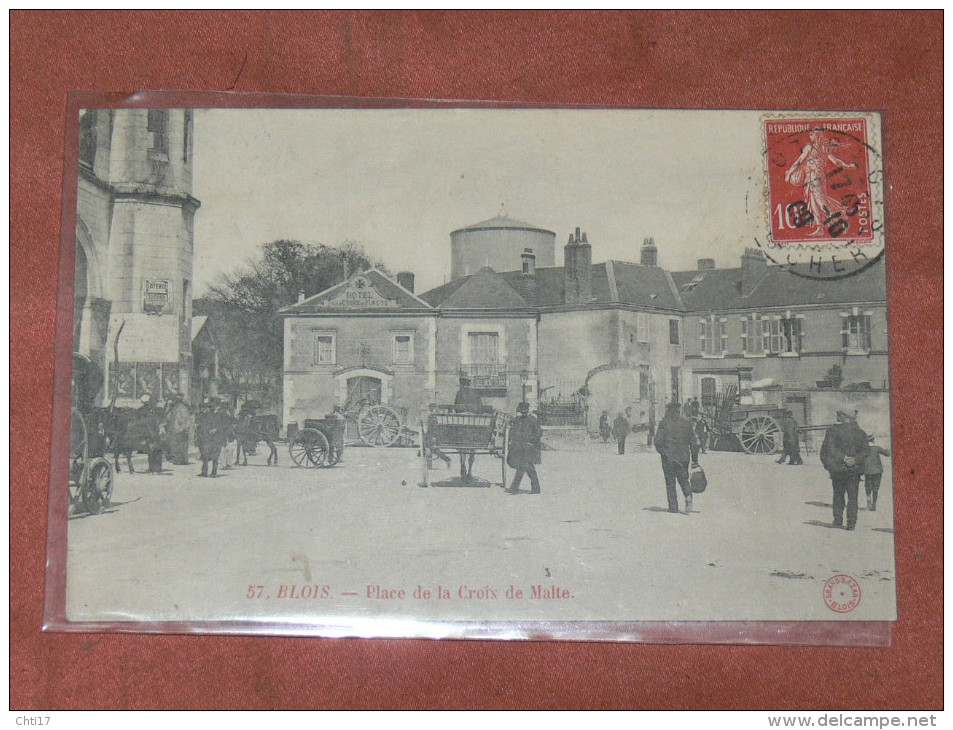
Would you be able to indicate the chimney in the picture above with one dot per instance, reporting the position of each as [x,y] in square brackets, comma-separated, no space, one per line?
[526,283]
[754,267]
[301,296]
[649,253]
[706,264]
[529,261]
[406,280]
[578,269]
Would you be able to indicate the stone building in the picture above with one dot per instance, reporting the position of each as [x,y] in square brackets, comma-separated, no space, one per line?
[581,338]
[134,238]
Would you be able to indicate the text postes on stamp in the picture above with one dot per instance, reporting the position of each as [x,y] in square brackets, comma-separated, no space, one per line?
[823,193]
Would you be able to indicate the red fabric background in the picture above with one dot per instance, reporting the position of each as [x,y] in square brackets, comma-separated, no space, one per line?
[856,59]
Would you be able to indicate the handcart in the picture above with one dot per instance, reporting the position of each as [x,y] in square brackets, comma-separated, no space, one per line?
[319,443]
[451,430]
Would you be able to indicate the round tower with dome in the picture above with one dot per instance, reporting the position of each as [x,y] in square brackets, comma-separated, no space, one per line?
[499,243]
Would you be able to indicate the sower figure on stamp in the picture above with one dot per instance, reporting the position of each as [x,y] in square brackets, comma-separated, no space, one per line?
[675,441]
[465,399]
[790,441]
[525,449]
[843,454]
[873,472]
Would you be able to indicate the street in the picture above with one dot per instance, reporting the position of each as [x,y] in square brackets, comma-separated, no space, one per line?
[362,539]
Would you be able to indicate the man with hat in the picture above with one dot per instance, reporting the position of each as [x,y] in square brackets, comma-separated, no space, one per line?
[790,443]
[844,454]
[467,400]
[525,449]
[873,471]
[150,416]
[178,425]
[675,441]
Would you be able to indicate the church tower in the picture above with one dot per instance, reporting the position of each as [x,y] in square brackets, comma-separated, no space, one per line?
[134,241]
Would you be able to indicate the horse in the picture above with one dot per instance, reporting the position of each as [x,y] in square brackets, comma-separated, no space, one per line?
[248,432]
[127,431]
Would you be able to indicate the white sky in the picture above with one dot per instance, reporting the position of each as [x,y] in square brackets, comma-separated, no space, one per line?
[399,181]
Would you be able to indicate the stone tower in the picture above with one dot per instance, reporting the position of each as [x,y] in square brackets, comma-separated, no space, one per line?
[134,239]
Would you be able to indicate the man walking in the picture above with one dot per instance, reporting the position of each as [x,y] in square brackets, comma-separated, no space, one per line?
[843,454]
[873,471]
[620,429]
[525,449]
[790,442]
[675,441]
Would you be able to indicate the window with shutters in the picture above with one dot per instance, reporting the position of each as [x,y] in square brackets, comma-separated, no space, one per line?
[752,336]
[714,336]
[673,338]
[855,333]
[782,335]
[485,368]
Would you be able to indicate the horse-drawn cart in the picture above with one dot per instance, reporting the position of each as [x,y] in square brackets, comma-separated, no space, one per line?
[90,473]
[448,430]
[754,429]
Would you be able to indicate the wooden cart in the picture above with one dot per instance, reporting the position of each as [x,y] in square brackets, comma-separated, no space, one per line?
[90,473]
[475,430]
[319,443]
[749,428]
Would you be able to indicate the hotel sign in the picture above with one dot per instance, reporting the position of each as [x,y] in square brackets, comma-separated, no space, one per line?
[360,294]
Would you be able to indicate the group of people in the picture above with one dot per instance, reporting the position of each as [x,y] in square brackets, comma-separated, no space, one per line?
[167,427]
[624,425]
[849,454]
[170,427]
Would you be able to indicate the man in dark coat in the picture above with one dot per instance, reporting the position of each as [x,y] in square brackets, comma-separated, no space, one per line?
[844,454]
[153,420]
[675,441]
[790,441]
[525,449]
[210,434]
[467,400]
[620,429]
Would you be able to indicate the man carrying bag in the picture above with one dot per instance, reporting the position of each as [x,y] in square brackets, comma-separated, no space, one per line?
[675,441]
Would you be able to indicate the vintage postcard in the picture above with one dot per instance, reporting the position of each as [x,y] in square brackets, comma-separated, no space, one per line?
[474,372]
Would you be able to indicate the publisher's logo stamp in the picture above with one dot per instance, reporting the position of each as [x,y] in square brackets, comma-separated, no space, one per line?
[842,593]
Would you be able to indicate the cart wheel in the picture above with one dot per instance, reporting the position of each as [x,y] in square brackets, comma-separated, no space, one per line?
[760,434]
[97,492]
[334,454]
[378,426]
[309,447]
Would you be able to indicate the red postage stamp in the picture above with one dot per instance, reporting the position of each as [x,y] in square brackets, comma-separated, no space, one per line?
[819,188]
